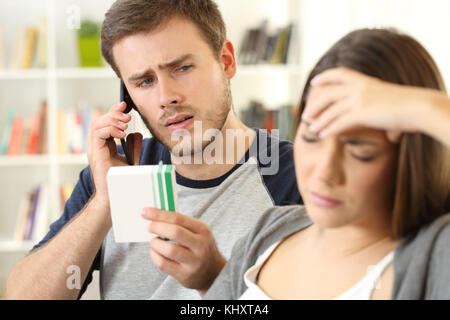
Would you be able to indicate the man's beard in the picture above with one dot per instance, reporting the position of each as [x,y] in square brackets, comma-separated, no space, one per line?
[215,121]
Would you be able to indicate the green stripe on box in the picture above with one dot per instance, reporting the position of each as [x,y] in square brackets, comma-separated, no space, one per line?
[161,189]
[169,187]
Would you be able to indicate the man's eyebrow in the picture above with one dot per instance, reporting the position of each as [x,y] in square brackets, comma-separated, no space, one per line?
[170,64]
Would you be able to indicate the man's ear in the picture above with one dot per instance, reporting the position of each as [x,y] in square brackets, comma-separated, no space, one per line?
[228,59]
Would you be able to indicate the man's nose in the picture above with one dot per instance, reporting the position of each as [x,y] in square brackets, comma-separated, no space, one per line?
[169,94]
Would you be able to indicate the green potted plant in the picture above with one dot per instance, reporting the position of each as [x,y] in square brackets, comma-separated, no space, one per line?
[89,44]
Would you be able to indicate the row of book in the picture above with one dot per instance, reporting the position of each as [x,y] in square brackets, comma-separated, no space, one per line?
[29,48]
[24,135]
[73,128]
[33,218]
[257,116]
[260,46]
[27,135]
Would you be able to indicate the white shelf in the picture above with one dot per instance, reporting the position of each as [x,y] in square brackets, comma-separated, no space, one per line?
[42,160]
[72,159]
[23,74]
[85,73]
[24,160]
[260,69]
[16,246]
[61,73]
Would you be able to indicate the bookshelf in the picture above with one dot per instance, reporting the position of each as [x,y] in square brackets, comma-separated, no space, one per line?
[64,85]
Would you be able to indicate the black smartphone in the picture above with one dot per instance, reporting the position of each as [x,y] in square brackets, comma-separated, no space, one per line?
[125,96]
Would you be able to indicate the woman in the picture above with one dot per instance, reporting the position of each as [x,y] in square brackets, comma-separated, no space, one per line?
[372,164]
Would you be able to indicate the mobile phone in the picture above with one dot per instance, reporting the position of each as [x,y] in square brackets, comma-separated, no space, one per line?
[125,96]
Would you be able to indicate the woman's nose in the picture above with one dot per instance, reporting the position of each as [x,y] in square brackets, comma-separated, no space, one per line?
[329,166]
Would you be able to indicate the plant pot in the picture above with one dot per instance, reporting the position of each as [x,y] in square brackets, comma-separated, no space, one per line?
[89,48]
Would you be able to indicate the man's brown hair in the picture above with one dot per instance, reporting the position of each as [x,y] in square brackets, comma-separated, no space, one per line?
[422,188]
[128,17]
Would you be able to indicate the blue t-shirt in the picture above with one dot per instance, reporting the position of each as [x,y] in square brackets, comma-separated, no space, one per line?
[281,186]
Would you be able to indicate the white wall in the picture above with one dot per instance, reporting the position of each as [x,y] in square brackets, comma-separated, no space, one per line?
[325,21]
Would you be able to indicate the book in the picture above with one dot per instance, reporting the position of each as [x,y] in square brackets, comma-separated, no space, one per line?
[86,115]
[65,191]
[73,129]
[4,144]
[280,47]
[261,46]
[18,49]
[32,215]
[41,219]
[76,136]
[23,216]
[41,145]
[15,139]
[29,47]
[293,50]
[62,132]
[256,116]
[41,45]
[21,135]
[269,122]
[33,134]
[288,44]
[132,188]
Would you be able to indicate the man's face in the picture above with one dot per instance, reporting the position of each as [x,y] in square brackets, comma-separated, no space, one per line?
[174,79]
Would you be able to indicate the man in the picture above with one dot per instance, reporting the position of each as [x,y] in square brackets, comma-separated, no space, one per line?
[176,63]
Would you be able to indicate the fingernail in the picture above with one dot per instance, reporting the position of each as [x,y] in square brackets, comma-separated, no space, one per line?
[312,127]
[323,134]
[305,115]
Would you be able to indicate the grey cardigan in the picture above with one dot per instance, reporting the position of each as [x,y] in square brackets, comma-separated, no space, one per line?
[421,260]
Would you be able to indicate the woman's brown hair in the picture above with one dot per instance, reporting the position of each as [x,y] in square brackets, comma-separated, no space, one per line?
[128,17]
[422,188]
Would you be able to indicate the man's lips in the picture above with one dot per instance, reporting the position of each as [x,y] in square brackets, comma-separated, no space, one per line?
[324,201]
[177,119]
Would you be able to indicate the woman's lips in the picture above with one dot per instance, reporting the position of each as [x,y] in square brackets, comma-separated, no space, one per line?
[325,202]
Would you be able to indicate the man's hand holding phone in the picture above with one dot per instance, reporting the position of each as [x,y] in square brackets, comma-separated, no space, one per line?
[102,150]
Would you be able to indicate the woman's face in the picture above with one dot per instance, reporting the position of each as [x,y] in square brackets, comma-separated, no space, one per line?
[345,179]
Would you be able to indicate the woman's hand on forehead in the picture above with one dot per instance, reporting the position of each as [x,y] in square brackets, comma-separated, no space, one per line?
[341,99]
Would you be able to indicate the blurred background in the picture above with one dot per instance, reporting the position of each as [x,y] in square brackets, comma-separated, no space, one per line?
[53,82]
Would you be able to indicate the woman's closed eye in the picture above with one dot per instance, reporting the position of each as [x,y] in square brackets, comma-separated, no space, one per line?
[357,150]
[363,158]
[310,137]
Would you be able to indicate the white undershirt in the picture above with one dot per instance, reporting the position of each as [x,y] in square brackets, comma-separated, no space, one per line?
[360,291]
